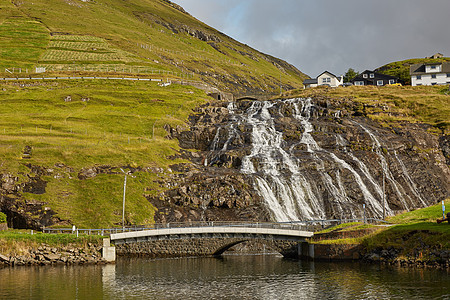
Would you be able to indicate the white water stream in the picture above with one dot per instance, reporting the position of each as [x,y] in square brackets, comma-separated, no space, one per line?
[287,187]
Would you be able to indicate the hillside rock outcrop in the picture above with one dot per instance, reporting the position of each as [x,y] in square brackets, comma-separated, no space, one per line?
[307,159]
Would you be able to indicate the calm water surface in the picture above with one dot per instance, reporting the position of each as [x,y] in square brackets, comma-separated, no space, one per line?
[230,277]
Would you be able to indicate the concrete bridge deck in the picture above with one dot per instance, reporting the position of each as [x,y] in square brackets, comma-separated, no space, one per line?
[288,233]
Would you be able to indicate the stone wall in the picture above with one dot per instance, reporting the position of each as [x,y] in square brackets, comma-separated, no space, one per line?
[199,247]
[338,252]
[3,226]
[46,255]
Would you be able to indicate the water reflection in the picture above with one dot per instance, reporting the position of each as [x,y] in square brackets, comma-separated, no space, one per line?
[231,277]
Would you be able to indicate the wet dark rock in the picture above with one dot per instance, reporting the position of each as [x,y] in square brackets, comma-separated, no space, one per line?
[339,128]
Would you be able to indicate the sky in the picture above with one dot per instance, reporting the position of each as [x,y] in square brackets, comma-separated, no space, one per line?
[332,35]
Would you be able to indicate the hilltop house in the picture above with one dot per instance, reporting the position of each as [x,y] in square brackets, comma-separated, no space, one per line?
[373,78]
[437,55]
[326,78]
[430,73]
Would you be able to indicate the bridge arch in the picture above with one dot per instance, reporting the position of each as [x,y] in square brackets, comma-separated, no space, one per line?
[225,248]
[207,241]
[200,246]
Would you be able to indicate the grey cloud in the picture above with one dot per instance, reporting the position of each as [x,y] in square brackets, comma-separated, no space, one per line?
[332,35]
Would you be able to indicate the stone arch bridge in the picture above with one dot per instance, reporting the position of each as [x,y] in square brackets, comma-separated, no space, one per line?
[209,240]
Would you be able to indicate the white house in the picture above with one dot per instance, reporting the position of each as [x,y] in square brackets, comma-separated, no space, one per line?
[430,73]
[326,78]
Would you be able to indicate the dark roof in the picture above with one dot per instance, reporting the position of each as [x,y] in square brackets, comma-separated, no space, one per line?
[377,76]
[310,81]
[419,69]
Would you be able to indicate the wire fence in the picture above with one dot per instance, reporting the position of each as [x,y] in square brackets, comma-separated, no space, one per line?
[210,58]
[111,69]
[90,136]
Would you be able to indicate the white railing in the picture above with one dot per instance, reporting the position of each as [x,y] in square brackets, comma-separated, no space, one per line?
[307,225]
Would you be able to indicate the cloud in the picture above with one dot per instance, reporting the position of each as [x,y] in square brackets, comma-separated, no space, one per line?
[332,35]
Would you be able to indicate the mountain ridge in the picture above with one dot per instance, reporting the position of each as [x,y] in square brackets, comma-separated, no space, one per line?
[157,34]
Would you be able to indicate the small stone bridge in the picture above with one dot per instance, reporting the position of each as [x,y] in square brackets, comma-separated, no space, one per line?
[208,239]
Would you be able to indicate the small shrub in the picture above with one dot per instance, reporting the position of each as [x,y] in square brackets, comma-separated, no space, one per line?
[2,218]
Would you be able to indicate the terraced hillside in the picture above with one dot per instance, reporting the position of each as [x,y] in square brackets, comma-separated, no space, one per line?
[137,36]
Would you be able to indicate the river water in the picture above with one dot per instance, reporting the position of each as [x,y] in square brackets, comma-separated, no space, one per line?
[230,277]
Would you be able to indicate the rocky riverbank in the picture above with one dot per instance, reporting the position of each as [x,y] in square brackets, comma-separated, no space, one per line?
[390,256]
[418,258]
[48,255]
[406,245]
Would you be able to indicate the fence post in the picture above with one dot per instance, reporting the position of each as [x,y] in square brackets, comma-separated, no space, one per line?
[364,213]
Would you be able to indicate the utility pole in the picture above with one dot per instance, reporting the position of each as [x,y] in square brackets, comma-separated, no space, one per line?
[384,196]
[124,192]
[364,213]
[123,204]
[281,90]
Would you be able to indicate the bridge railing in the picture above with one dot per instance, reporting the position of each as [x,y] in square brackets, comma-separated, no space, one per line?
[308,225]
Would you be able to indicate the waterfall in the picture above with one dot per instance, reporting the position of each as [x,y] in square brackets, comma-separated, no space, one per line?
[412,186]
[298,179]
[398,188]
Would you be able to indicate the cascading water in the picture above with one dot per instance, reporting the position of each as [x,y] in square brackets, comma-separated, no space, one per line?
[299,179]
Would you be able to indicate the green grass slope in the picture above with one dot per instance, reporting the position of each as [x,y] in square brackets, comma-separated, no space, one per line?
[414,230]
[75,125]
[400,69]
[157,35]
[415,234]
[391,105]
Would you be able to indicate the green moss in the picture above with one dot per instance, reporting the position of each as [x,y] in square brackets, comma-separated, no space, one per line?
[2,218]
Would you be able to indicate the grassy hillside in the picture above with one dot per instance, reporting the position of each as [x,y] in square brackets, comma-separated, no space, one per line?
[62,143]
[414,229]
[400,69]
[70,125]
[120,36]
[392,105]
[414,234]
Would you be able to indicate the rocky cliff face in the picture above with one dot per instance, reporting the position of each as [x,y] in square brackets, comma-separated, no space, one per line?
[24,213]
[299,159]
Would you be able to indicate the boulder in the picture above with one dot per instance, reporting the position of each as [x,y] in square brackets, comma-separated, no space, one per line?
[4,258]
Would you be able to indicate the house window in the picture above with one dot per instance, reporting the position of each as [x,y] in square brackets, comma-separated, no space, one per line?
[391,81]
[359,82]
[326,80]
[433,67]
[372,75]
[364,75]
[419,84]
[419,77]
[433,76]
[379,82]
[448,74]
